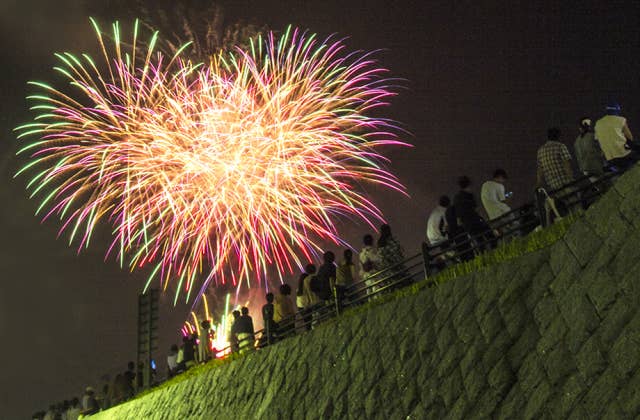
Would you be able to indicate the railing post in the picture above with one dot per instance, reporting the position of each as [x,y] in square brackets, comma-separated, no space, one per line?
[426,259]
[336,299]
[540,205]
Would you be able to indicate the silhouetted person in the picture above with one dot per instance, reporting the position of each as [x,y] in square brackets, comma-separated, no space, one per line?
[391,256]
[74,409]
[204,345]
[468,218]
[270,327]
[345,275]
[189,350]
[89,403]
[246,334]
[302,295]
[172,361]
[325,277]
[284,311]
[370,263]
[588,154]
[130,377]
[233,335]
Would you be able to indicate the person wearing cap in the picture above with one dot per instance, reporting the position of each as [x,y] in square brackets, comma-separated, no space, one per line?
[588,153]
[615,138]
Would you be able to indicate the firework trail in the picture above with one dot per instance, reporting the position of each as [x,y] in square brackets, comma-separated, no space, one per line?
[212,172]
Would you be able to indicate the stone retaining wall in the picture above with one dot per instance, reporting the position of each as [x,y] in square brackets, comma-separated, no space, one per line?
[552,334]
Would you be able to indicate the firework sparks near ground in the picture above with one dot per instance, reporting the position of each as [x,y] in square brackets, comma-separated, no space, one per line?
[211,172]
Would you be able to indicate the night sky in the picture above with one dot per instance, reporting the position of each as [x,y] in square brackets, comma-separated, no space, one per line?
[483,83]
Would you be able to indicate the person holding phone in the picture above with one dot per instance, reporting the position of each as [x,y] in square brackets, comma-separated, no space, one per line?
[493,195]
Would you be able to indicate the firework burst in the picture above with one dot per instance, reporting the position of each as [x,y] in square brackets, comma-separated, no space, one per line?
[212,172]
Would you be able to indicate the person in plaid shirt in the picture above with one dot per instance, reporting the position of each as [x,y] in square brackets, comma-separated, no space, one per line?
[554,162]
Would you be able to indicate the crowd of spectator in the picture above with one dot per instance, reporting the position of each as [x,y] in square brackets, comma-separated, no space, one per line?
[607,145]
[122,388]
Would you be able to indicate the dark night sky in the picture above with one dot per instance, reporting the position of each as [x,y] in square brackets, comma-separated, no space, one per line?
[483,84]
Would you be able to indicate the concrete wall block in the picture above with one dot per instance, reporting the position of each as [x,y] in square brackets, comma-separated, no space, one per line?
[566,396]
[488,287]
[559,363]
[566,277]
[597,398]
[464,309]
[538,397]
[512,406]
[515,315]
[630,210]
[545,312]
[531,373]
[559,256]
[582,241]
[485,405]
[590,360]
[579,314]
[627,185]
[451,389]
[627,257]
[491,324]
[617,317]
[524,345]
[539,285]
[472,357]
[600,211]
[496,350]
[459,410]
[475,382]
[501,377]
[629,397]
[602,291]
[450,360]
[625,353]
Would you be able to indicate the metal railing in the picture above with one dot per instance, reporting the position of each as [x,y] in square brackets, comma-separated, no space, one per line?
[462,247]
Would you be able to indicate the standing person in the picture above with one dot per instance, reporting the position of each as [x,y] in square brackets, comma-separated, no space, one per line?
[270,327]
[345,275]
[89,403]
[493,196]
[391,255]
[189,350]
[130,377]
[325,277]
[302,295]
[615,138]
[204,344]
[369,263]
[437,227]
[554,162]
[284,311]
[588,153]
[172,361]
[234,343]
[466,209]
[74,409]
[246,333]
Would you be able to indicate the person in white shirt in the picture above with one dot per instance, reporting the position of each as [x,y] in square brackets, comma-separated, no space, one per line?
[370,263]
[493,195]
[615,138]
[437,223]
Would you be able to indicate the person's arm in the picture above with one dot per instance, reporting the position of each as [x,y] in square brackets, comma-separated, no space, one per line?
[566,157]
